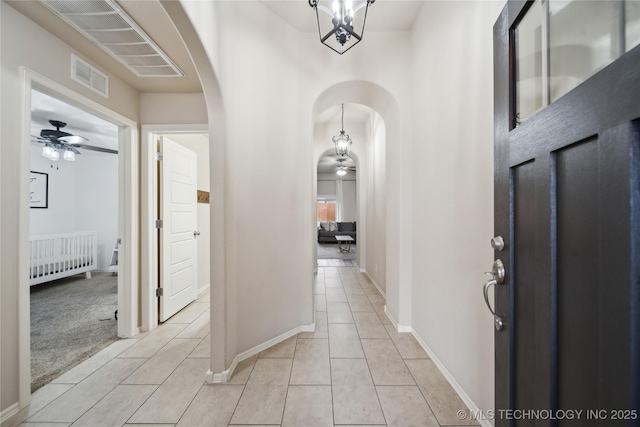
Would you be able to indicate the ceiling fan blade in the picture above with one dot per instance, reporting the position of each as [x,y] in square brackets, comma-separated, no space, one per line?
[69,147]
[73,139]
[94,148]
[39,138]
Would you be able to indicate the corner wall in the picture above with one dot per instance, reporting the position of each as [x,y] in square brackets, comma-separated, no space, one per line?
[452,71]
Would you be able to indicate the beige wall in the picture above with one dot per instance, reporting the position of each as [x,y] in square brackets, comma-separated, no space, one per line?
[173,108]
[24,44]
[453,188]
[376,198]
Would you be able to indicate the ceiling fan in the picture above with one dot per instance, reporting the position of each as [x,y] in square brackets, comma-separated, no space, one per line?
[56,140]
[342,169]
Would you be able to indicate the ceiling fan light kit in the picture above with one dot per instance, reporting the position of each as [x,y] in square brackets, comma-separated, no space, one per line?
[57,140]
[340,26]
[69,155]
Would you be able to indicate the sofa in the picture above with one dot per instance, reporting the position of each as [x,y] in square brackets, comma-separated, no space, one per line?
[327,231]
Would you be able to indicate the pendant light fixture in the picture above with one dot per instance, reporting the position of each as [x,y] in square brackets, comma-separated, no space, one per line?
[342,20]
[342,141]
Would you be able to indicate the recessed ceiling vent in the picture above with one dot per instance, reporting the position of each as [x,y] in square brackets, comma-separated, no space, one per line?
[104,23]
[89,76]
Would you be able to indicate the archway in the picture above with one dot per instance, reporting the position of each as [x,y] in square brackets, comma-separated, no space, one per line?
[383,103]
[222,304]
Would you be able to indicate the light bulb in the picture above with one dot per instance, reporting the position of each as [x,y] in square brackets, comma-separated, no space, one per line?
[69,155]
[55,156]
[341,172]
[47,151]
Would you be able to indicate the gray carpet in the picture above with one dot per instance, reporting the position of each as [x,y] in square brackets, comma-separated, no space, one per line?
[71,320]
[331,251]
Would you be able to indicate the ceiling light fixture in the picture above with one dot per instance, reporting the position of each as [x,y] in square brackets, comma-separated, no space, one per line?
[344,24]
[69,155]
[342,169]
[342,141]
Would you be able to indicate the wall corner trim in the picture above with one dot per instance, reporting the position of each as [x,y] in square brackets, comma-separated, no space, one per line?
[390,317]
[9,412]
[398,327]
[225,376]
[452,381]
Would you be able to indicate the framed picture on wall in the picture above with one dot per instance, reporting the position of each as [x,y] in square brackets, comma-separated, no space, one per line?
[39,190]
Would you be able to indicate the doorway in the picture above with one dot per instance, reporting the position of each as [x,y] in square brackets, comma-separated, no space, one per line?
[188,138]
[337,211]
[73,231]
[127,213]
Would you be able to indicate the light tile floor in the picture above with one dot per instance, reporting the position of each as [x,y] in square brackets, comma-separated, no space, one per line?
[355,369]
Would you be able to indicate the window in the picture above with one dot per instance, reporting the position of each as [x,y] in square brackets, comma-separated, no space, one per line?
[326,210]
[561,43]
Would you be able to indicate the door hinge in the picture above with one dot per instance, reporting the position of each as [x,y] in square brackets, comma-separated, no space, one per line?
[158,156]
[159,292]
[159,223]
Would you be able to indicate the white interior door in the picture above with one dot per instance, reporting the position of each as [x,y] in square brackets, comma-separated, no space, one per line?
[178,211]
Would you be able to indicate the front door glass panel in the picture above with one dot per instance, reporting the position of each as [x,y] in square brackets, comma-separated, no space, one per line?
[559,44]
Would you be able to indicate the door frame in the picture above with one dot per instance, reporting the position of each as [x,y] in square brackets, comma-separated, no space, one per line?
[149,213]
[128,218]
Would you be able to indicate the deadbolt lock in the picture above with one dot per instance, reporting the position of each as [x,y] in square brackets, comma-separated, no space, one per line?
[497,243]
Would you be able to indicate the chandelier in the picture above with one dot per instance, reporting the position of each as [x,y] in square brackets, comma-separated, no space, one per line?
[342,141]
[345,23]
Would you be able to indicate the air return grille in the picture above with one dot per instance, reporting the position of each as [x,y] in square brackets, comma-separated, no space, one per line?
[88,76]
[104,23]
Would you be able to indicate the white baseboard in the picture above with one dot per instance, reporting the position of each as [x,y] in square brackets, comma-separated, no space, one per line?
[203,290]
[452,381]
[390,317]
[224,376]
[374,283]
[445,372]
[9,412]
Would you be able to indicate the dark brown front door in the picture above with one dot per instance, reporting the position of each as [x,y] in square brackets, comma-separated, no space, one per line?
[567,204]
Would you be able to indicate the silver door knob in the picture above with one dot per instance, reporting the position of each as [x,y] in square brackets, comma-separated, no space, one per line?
[497,243]
[196,233]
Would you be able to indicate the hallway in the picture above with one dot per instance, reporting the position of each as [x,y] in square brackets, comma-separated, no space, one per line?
[354,369]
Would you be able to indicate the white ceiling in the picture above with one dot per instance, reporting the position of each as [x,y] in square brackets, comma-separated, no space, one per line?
[353,113]
[99,132]
[383,15]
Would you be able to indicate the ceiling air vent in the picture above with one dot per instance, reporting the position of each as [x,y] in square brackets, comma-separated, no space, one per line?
[105,24]
[89,76]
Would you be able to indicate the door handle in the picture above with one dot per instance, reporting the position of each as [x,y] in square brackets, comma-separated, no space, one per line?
[498,273]
[196,233]
[485,292]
